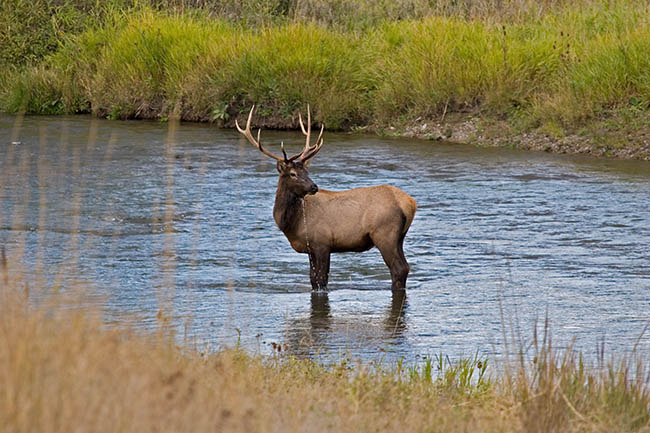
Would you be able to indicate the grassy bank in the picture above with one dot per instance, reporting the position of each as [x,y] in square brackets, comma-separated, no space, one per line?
[555,71]
[63,370]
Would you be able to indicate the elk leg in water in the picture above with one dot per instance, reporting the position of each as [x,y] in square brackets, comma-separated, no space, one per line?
[319,264]
[401,280]
[390,246]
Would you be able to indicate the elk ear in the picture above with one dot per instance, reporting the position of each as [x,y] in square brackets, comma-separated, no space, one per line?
[281,166]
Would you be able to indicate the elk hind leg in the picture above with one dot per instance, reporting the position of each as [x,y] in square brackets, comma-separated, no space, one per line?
[389,244]
[319,268]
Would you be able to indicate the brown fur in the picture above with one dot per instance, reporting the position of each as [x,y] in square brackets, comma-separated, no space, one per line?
[347,221]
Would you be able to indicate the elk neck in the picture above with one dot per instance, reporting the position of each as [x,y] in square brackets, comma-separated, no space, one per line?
[288,209]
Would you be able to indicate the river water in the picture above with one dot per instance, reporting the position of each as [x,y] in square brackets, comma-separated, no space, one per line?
[146,216]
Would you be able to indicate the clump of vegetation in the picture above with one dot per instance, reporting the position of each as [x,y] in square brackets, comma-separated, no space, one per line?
[152,65]
[33,29]
[548,68]
[565,68]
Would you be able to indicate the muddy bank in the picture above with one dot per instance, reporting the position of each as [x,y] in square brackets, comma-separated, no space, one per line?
[608,137]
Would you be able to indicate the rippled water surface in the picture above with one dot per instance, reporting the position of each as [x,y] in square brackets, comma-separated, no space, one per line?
[148,220]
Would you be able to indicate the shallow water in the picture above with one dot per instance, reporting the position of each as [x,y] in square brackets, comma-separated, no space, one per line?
[501,239]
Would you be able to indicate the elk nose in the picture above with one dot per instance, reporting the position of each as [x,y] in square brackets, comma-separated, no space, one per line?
[314,189]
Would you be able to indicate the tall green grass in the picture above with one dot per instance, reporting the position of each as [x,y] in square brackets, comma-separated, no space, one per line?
[152,65]
[565,67]
[32,29]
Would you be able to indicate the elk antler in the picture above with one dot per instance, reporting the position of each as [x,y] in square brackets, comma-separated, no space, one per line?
[304,156]
[309,151]
[257,143]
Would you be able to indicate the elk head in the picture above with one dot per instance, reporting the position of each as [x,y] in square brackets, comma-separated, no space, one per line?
[293,170]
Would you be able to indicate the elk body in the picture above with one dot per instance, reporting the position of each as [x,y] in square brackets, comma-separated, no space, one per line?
[320,222]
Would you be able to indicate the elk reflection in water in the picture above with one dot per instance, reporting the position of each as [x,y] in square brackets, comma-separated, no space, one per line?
[323,328]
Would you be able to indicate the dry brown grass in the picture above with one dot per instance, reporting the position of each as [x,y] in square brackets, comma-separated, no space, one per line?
[67,373]
[64,370]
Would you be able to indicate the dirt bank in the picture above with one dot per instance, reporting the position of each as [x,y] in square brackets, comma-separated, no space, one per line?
[617,137]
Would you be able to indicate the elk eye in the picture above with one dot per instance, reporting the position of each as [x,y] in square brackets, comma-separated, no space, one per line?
[293,175]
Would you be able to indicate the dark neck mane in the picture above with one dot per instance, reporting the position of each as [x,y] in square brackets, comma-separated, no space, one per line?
[288,209]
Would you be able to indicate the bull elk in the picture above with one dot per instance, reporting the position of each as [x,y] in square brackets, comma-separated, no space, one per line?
[320,222]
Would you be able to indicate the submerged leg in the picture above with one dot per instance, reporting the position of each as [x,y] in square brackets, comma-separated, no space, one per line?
[390,247]
[319,264]
[403,263]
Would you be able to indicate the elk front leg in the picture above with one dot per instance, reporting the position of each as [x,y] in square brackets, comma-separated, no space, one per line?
[319,264]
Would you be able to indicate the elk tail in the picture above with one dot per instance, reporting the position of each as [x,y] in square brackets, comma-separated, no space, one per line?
[408,210]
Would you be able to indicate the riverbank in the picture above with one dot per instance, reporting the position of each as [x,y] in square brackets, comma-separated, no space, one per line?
[620,135]
[63,369]
[567,78]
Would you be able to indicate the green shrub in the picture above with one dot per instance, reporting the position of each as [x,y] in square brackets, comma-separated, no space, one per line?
[283,69]
[32,29]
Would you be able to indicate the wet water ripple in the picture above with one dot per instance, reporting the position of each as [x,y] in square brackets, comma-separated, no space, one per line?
[501,239]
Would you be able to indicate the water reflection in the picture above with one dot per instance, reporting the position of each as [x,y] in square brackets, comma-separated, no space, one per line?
[326,332]
[320,316]
[395,319]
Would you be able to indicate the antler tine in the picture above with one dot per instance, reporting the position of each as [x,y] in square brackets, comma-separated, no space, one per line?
[257,143]
[307,133]
[308,146]
[302,126]
[313,152]
[309,150]
[320,135]
[248,121]
[283,151]
[308,126]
